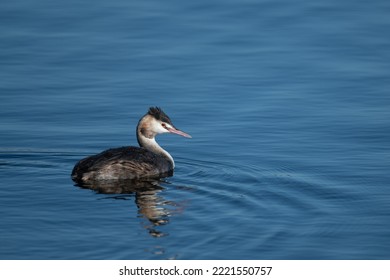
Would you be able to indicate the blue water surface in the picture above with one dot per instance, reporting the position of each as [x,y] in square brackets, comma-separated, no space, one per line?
[288,104]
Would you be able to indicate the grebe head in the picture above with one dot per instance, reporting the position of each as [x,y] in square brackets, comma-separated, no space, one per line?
[156,122]
[161,123]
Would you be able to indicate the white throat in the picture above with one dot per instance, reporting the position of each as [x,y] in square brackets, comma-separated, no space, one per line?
[151,145]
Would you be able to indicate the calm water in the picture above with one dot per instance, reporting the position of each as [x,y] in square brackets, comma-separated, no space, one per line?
[288,104]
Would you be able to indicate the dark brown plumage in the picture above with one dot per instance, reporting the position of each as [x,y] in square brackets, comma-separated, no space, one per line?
[122,163]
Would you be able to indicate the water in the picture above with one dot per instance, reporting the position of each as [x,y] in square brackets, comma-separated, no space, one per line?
[288,105]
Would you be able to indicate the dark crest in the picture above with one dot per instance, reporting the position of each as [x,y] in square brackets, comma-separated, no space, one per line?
[159,114]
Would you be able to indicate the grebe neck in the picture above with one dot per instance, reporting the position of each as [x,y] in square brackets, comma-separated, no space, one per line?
[146,139]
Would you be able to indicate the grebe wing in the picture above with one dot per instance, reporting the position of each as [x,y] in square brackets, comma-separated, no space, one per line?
[122,163]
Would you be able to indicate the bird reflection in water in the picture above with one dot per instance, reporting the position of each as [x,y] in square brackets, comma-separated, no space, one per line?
[151,205]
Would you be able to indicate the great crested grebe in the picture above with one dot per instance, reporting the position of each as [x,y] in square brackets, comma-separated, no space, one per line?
[147,161]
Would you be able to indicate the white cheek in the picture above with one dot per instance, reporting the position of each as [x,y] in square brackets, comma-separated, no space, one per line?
[158,128]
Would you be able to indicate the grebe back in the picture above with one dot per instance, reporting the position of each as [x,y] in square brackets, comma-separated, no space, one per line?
[147,161]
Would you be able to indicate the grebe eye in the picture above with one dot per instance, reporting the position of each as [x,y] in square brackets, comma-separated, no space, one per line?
[164,125]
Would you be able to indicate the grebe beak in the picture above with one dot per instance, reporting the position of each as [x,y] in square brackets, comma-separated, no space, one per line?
[178,132]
